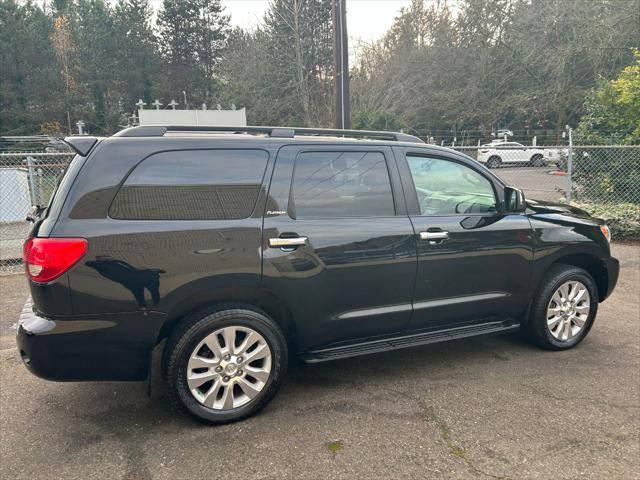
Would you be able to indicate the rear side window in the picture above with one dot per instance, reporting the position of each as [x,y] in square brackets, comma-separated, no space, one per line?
[341,184]
[192,185]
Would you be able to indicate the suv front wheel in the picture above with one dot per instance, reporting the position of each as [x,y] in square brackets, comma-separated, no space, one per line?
[222,365]
[564,308]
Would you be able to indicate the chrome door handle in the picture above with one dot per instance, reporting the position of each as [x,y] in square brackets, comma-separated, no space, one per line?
[288,242]
[434,235]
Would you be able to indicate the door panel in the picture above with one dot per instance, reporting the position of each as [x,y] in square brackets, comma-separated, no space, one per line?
[474,263]
[352,277]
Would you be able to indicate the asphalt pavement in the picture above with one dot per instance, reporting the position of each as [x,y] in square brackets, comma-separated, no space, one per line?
[492,407]
[540,183]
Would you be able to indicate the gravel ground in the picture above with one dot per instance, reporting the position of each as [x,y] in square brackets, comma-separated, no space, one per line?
[480,408]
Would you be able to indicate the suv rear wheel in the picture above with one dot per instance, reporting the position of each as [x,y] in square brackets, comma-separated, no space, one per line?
[224,364]
[564,308]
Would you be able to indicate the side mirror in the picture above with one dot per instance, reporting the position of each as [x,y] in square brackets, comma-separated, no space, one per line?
[514,200]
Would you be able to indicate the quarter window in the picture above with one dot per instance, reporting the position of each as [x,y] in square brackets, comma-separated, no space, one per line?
[449,188]
[192,185]
[341,184]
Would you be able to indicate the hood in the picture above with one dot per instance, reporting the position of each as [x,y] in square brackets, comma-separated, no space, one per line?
[540,206]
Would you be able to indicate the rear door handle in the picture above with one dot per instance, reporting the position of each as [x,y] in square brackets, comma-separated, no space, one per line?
[440,235]
[288,242]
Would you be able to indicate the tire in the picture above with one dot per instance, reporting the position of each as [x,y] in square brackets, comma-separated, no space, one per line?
[538,160]
[494,162]
[188,348]
[545,324]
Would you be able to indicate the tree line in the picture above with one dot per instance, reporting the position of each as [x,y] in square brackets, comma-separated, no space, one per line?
[444,69]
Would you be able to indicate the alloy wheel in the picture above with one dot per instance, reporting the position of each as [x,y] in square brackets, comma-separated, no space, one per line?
[568,310]
[229,368]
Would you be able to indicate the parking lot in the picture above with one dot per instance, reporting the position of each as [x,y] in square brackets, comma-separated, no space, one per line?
[536,182]
[491,407]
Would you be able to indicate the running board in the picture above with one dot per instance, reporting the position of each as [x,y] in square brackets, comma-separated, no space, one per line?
[405,341]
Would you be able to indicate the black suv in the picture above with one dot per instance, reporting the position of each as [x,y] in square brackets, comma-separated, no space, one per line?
[238,247]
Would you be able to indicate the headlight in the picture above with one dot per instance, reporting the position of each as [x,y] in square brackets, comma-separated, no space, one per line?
[606,232]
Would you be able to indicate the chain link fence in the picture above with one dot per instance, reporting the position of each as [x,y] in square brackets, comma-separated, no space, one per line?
[601,179]
[604,180]
[25,179]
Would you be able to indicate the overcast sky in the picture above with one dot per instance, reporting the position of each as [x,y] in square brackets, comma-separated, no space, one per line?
[367,20]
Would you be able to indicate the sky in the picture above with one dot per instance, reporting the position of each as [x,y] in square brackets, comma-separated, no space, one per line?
[367,20]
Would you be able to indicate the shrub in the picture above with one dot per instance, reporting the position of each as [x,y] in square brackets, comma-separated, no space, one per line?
[610,175]
[622,218]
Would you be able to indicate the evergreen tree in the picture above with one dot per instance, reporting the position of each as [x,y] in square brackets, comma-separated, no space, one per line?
[96,46]
[138,64]
[193,34]
[29,79]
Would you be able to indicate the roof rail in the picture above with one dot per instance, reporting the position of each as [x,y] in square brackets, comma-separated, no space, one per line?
[276,132]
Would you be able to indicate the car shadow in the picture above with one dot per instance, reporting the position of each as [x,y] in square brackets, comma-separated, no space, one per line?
[128,403]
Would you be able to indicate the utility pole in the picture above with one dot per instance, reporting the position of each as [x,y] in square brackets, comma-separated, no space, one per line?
[341,65]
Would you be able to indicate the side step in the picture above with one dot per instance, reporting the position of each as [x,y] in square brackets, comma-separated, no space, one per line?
[405,341]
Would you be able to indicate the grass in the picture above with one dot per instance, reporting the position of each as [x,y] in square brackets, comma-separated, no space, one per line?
[335,446]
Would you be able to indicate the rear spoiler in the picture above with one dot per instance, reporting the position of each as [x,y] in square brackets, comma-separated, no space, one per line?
[81,144]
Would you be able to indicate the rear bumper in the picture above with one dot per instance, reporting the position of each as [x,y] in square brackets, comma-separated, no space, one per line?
[613,270]
[112,347]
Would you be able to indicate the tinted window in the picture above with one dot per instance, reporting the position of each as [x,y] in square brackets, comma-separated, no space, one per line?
[192,185]
[342,184]
[449,188]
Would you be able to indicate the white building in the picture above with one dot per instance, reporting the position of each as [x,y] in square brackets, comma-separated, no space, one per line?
[207,118]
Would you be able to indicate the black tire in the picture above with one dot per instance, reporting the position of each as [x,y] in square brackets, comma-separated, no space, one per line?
[186,337]
[538,160]
[537,329]
[494,162]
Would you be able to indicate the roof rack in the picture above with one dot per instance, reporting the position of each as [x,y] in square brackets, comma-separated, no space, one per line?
[276,132]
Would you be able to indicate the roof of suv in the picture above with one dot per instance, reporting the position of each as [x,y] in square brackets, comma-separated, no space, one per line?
[273,132]
[290,135]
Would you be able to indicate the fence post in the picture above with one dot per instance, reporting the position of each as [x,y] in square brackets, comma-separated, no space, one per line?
[33,193]
[570,167]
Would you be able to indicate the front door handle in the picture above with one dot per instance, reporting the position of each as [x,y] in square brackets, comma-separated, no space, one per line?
[288,242]
[439,235]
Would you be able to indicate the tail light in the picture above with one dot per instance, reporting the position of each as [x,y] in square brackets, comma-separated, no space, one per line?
[47,258]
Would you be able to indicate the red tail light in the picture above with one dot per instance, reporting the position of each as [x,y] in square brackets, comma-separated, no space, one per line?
[47,258]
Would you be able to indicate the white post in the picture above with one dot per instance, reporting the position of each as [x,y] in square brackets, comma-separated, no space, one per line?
[32,183]
[570,166]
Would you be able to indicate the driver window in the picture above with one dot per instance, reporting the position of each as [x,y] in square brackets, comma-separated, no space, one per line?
[449,188]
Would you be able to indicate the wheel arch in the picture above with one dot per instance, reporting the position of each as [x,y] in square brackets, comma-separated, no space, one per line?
[592,264]
[250,297]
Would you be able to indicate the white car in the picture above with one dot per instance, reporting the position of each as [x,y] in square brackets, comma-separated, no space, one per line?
[497,153]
